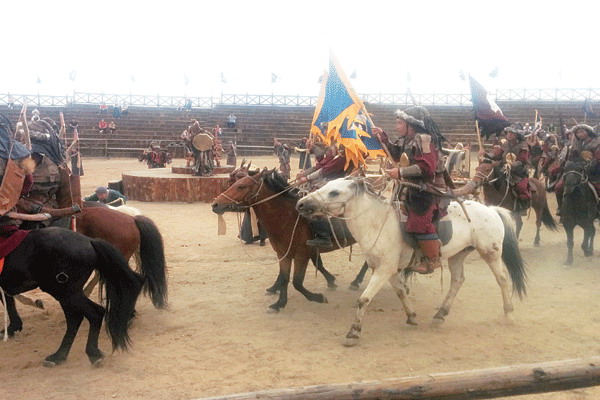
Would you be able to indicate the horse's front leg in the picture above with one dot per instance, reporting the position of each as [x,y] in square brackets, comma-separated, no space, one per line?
[401,291]
[569,231]
[300,264]
[355,284]
[318,263]
[15,321]
[457,277]
[285,266]
[277,285]
[588,240]
[380,276]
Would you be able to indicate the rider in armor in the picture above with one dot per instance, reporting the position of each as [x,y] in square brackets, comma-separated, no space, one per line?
[585,145]
[330,165]
[514,153]
[420,142]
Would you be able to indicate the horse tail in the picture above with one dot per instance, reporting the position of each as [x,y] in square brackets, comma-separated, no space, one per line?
[122,287]
[511,254]
[547,218]
[153,265]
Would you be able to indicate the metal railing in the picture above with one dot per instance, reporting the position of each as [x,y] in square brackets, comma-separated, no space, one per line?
[428,99]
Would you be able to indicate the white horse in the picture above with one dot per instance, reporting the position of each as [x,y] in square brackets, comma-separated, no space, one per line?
[376,228]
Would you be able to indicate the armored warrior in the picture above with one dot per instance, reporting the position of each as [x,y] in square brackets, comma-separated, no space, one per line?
[418,150]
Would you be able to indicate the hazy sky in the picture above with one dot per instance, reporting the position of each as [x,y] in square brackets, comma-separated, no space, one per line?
[120,46]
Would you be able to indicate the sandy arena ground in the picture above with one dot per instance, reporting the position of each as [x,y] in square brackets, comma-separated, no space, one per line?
[217,338]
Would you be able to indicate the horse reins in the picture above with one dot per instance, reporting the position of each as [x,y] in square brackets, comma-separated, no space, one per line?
[254,195]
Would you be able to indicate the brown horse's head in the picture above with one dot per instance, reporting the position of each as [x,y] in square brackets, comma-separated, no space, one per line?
[241,194]
[243,171]
[484,172]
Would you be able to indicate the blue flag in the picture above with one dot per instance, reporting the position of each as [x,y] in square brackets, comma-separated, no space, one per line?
[341,116]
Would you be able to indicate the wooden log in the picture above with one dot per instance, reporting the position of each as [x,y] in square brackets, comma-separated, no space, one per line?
[227,169]
[159,184]
[473,384]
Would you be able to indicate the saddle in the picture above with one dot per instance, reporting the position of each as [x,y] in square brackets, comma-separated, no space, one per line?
[443,227]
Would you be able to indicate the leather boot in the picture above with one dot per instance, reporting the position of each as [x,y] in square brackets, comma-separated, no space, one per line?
[320,228]
[431,261]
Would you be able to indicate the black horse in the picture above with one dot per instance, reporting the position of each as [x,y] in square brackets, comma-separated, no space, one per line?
[579,208]
[59,262]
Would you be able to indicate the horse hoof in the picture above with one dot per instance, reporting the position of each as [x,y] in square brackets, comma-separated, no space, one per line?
[332,286]
[270,293]
[324,300]
[272,310]
[437,322]
[350,342]
[536,244]
[98,362]
[354,286]
[49,364]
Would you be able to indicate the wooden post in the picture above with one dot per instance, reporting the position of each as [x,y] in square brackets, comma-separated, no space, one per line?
[474,384]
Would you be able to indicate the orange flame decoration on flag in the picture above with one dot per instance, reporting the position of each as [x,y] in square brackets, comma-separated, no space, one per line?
[341,118]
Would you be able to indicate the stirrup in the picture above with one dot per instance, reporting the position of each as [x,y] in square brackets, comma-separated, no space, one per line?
[423,269]
[427,266]
[320,242]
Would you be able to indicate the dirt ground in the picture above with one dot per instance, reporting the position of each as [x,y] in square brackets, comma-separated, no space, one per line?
[217,337]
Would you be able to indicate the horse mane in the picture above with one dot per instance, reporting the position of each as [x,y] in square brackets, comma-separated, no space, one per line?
[278,183]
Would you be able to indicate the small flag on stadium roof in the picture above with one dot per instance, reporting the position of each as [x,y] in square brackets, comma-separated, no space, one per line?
[72,75]
[186,80]
[341,116]
[274,77]
[223,80]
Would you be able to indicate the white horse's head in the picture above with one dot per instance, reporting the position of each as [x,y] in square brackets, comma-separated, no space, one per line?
[331,199]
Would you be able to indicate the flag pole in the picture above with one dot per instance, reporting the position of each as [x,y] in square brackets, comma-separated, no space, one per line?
[383,146]
[478,135]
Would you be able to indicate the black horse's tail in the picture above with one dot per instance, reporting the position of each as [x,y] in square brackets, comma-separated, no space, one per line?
[511,254]
[547,219]
[153,265]
[122,286]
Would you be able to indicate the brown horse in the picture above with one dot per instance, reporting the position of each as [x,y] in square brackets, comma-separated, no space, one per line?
[497,192]
[274,203]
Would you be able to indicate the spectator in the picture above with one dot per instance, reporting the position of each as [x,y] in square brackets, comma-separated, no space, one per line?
[124,109]
[103,109]
[117,111]
[113,127]
[107,196]
[305,162]
[231,121]
[231,152]
[188,106]
[73,125]
[217,132]
[11,102]
[102,126]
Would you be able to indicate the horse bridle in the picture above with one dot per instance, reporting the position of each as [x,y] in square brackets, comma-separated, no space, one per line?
[583,176]
[249,196]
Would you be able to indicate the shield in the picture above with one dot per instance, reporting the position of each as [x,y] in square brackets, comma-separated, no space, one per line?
[202,142]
